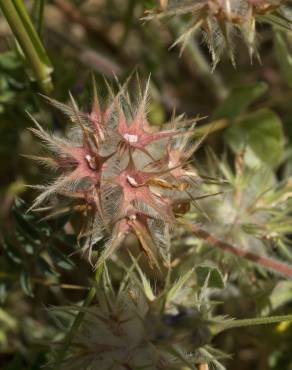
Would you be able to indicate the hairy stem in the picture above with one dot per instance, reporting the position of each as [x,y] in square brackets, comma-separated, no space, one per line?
[212,127]
[276,266]
[258,321]
[219,327]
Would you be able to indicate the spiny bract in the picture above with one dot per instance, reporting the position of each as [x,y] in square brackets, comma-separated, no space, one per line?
[121,174]
[255,213]
[139,328]
[221,21]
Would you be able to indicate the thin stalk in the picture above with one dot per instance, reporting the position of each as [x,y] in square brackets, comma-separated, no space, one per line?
[279,267]
[258,321]
[78,319]
[218,328]
[24,32]
[38,15]
[212,127]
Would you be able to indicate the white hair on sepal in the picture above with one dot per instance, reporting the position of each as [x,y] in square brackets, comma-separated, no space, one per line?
[111,196]
[53,142]
[127,107]
[96,230]
[112,243]
[185,141]
[214,39]
[160,232]
[110,143]
[148,210]
[112,120]
[62,183]
[111,171]
[141,108]
[113,167]
[67,110]
[75,135]
[157,149]
[141,160]
[46,162]
[166,192]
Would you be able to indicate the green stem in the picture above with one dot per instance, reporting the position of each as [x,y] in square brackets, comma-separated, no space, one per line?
[24,32]
[78,319]
[212,127]
[250,322]
[38,15]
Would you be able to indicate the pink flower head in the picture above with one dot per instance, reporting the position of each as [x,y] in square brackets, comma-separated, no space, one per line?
[136,222]
[98,117]
[123,197]
[177,157]
[138,134]
[136,188]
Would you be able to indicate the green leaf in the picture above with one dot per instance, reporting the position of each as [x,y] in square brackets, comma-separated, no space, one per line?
[45,267]
[281,295]
[12,252]
[9,60]
[28,247]
[212,273]
[25,283]
[25,224]
[59,259]
[31,219]
[261,134]
[284,57]
[239,99]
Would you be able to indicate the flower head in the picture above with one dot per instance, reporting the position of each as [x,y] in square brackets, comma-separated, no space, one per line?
[137,327]
[220,21]
[254,214]
[120,173]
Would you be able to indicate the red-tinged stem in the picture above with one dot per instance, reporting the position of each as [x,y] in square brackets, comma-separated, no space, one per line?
[279,267]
